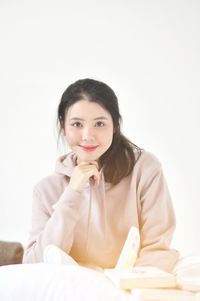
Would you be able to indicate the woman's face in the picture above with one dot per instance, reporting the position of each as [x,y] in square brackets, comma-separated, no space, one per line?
[88,129]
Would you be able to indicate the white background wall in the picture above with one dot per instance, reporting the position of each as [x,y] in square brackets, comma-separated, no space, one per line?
[147,51]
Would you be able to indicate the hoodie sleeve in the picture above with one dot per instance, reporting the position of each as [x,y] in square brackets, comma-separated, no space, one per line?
[56,228]
[157,221]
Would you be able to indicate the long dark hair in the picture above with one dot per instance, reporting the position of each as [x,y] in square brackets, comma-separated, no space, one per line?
[118,161]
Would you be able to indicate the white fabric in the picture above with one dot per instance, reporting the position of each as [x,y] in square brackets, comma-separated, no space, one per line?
[187,272]
[53,254]
[187,269]
[52,282]
[61,282]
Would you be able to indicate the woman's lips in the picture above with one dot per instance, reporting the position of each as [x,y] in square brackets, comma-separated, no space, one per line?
[88,148]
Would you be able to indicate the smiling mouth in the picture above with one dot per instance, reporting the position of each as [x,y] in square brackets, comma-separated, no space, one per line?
[88,148]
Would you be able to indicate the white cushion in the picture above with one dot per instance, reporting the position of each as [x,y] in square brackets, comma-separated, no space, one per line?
[52,282]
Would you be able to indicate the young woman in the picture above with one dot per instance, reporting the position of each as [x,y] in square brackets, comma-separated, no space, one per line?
[105,185]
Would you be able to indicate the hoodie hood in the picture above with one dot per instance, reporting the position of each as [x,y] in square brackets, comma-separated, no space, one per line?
[65,164]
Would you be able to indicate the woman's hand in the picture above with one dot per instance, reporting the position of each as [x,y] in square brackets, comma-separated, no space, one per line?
[82,173]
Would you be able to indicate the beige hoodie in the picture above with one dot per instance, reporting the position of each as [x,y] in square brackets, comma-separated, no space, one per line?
[91,226]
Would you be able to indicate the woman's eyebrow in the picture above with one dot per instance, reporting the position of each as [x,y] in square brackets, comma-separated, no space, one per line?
[101,118]
[82,119]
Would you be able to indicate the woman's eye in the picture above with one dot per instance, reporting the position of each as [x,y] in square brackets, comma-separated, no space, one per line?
[77,124]
[99,124]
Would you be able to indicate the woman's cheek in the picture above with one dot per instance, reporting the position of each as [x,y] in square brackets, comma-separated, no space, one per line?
[71,137]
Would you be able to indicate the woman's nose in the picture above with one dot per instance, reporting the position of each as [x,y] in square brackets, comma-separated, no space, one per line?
[88,134]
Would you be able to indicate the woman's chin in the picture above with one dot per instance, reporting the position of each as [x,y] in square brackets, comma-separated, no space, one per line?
[86,158]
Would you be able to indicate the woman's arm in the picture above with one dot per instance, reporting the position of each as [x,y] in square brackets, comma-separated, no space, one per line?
[57,228]
[54,229]
[157,222]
